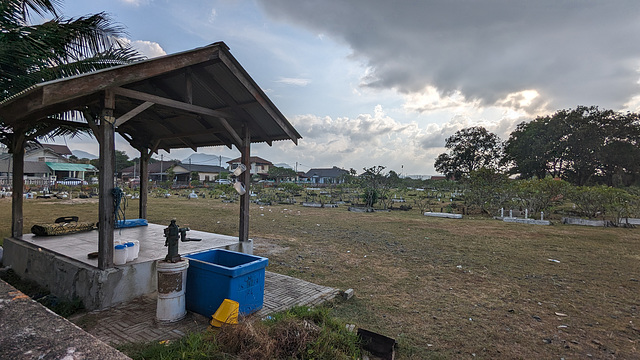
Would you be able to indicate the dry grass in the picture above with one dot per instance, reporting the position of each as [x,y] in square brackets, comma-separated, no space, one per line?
[443,288]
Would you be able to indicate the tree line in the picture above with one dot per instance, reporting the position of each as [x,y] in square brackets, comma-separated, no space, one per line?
[583,146]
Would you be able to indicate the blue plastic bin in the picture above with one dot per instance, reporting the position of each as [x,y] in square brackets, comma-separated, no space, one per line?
[215,275]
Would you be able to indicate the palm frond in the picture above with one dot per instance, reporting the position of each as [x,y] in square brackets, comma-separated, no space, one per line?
[33,54]
[17,11]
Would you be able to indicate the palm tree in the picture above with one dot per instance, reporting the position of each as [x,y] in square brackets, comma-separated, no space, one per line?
[32,53]
[60,47]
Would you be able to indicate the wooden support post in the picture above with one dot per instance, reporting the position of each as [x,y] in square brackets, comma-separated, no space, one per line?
[107,168]
[17,220]
[245,178]
[145,154]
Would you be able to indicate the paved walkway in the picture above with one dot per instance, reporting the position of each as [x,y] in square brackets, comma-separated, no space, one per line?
[135,321]
[29,331]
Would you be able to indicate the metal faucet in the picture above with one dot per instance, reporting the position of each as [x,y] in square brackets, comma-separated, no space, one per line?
[173,233]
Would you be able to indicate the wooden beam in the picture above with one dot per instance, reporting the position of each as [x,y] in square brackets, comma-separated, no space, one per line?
[137,110]
[173,130]
[188,86]
[168,102]
[245,178]
[17,184]
[154,146]
[145,154]
[179,135]
[231,131]
[92,124]
[182,106]
[214,89]
[106,184]
[67,90]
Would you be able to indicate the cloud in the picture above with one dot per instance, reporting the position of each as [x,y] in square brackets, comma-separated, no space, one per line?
[149,49]
[213,15]
[294,81]
[377,139]
[135,2]
[494,52]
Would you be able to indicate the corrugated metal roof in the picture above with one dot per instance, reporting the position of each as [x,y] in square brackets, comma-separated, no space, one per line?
[333,172]
[70,167]
[197,98]
[30,167]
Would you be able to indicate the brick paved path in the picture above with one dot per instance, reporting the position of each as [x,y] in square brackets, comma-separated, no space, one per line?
[135,321]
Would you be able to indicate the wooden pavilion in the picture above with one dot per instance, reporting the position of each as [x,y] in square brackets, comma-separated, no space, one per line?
[197,98]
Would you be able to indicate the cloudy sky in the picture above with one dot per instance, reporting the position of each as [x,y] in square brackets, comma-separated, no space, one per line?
[369,82]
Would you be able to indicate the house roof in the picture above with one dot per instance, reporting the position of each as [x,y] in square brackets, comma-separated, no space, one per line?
[199,168]
[56,166]
[252,160]
[153,168]
[333,172]
[201,97]
[58,149]
[30,167]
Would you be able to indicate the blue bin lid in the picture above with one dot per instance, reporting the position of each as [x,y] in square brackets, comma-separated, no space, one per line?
[120,247]
[129,244]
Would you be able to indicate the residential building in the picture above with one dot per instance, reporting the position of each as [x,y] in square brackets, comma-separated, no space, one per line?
[44,163]
[47,153]
[334,175]
[259,166]
[157,171]
[206,173]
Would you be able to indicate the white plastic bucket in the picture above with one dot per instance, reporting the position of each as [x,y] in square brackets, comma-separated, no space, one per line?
[119,255]
[130,250]
[136,248]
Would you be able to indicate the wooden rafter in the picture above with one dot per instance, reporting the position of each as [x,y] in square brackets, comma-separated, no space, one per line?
[214,89]
[168,102]
[135,111]
[271,110]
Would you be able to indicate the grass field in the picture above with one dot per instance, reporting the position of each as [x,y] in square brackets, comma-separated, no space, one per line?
[444,288]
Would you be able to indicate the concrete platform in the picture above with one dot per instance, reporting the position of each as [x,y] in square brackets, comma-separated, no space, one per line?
[60,263]
[151,237]
[526,221]
[443,215]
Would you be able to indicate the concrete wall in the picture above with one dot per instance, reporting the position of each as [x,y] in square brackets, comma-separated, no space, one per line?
[68,279]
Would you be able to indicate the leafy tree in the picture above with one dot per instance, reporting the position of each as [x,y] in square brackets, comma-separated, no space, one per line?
[534,148]
[469,149]
[122,160]
[348,178]
[540,194]
[171,174]
[279,173]
[586,145]
[487,190]
[612,204]
[376,185]
[422,201]
[588,200]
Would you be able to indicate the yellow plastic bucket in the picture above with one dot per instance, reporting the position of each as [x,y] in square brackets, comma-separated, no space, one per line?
[227,313]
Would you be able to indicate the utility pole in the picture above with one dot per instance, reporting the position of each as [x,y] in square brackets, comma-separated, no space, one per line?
[161,160]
